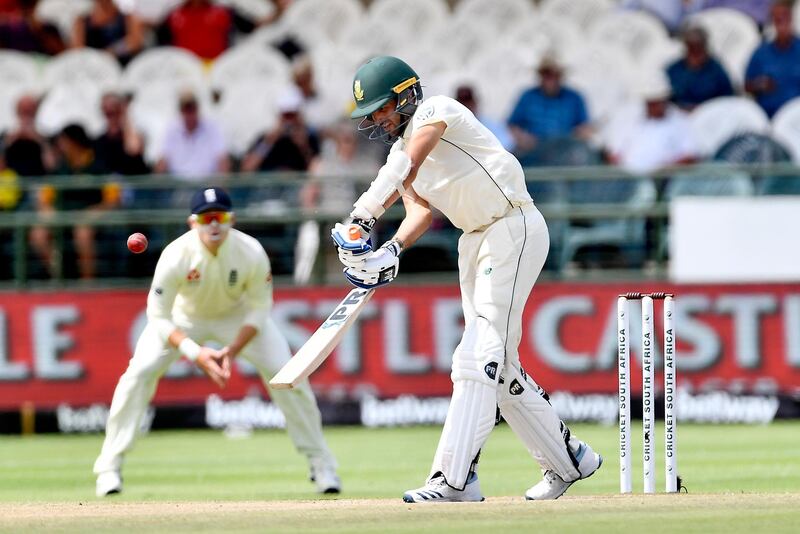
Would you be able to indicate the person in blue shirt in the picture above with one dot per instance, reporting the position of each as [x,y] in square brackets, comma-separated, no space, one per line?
[773,74]
[697,76]
[547,111]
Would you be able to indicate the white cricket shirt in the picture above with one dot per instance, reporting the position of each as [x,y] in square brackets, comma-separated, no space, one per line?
[191,283]
[468,175]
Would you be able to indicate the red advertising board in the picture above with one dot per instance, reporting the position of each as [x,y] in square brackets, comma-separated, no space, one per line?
[71,347]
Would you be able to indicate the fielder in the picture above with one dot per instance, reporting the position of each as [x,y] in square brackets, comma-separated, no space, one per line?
[213,283]
[442,157]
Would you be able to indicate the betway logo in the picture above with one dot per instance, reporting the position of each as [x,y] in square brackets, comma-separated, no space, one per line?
[250,412]
[404,410]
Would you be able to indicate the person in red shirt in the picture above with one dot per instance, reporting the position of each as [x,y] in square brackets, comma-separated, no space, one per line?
[201,27]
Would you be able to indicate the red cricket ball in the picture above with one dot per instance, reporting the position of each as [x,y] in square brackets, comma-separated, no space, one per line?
[137,243]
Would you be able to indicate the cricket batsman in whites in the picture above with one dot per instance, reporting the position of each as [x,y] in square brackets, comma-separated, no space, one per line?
[442,157]
[214,283]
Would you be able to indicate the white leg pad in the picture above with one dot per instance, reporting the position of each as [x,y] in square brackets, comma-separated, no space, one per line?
[536,423]
[477,364]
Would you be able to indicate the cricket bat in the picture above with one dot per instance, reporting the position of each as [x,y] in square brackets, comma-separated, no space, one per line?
[323,341]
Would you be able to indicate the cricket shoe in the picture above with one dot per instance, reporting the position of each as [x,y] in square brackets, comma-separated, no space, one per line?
[553,486]
[437,490]
[325,478]
[108,483]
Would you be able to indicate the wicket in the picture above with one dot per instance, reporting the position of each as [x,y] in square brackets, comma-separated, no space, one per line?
[648,398]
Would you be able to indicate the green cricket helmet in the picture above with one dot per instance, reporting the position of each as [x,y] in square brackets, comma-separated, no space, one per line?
[381,80]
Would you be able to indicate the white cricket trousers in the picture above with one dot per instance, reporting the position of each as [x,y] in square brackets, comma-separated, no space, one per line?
[267,351]
[498,266]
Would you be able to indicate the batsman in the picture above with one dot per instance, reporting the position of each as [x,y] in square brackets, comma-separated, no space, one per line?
[442,157]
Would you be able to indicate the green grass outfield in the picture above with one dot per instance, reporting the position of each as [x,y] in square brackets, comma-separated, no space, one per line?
[739,478]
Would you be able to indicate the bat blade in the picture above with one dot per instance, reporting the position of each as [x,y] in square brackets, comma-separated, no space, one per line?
[322,341]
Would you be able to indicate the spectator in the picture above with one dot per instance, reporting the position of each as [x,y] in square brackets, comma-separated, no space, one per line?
[201,27]
[659,137]
[21,29]
[465,94]
[773,76]
[194,147]
[106,28]
[78,158]
[206,28]
[548,111]
[290,146]
[697,77]
[27,152]
[120,148]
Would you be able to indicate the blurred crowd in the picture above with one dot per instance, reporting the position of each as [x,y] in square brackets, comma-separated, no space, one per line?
[194,146]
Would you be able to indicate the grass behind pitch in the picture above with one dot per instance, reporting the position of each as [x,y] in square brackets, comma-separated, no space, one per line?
[204,466]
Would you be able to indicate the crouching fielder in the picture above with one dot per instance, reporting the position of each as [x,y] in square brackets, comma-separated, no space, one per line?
[213,283]
[443,157]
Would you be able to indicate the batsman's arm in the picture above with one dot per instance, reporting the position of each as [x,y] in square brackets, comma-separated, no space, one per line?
[396,176]
[417,220]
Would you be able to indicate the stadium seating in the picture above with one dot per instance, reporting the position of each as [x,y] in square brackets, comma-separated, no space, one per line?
[62,13]
[324,22]
[76,102]
[249,64]
[165,64]
[720,119]
[498,17]
[636,31]
[786,127]
[582,12]
[82,65]
[20,74]
[417,17]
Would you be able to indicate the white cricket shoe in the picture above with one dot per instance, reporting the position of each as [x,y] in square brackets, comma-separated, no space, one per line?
[108,483]
[437,490]
[553,486]
[325,477]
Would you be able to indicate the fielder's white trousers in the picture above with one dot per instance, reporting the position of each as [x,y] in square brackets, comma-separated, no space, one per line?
[267,351]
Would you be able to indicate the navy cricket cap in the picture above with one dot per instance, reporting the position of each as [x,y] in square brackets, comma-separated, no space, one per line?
[211,199]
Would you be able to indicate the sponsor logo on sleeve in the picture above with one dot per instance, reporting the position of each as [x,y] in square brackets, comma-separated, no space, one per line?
[424,113]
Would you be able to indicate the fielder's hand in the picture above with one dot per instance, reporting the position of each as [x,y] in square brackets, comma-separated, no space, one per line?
[216,364]
[378,269]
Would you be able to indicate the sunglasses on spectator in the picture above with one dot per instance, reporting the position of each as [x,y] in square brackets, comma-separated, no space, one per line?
[220,217]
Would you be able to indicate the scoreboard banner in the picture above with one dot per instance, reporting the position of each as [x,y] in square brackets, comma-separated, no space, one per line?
[69,348]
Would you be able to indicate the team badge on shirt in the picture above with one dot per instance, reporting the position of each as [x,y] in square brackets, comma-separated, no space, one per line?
[193,276]
[232,277]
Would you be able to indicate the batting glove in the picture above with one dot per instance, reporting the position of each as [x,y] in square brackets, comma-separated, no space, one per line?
[353,248]
[378,269]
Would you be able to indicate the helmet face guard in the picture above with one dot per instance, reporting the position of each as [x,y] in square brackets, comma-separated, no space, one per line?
[407,101]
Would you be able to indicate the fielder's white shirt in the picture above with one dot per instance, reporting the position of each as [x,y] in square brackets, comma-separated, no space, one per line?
[468,175]
[190,283]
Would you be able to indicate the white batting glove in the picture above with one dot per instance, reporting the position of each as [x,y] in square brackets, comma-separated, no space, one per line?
[380,268]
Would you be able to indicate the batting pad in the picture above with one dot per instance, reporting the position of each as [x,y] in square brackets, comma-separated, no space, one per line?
[536,423]
[477,363]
